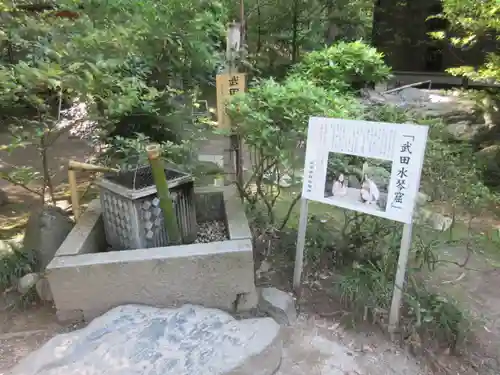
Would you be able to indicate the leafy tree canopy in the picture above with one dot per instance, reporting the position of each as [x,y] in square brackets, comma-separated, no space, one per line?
[471,21]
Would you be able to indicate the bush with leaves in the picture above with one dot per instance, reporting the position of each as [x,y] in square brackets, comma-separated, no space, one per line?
[34,87]
[129,153]
[116,71]
[279,32]
[343,66]
[452,177]
[272,119]
[471,22]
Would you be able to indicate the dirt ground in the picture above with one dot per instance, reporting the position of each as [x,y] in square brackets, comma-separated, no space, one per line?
[319,346]
[476,287]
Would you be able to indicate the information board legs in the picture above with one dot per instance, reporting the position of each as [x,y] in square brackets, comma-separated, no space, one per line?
[400,279]
[301,241]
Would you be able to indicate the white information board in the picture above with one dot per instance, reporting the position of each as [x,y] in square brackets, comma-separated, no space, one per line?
[370,167]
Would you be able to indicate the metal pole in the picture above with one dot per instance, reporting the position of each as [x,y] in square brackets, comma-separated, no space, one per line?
[301,241]
[400,279]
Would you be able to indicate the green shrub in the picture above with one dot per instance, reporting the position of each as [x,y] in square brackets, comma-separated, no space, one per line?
[272,120]
[14,264]
[343,66]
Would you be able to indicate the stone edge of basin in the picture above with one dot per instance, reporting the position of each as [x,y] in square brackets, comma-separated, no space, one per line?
[79,255]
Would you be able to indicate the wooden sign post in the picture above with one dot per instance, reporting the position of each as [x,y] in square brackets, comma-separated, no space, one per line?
[396,151]
[227,84]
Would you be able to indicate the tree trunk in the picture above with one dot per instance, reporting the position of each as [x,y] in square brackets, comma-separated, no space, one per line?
[332,30]
[259,28]
[47,178]
[295,31]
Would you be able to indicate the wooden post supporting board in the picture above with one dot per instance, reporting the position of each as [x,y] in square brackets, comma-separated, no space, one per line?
[301,241]
[400,279]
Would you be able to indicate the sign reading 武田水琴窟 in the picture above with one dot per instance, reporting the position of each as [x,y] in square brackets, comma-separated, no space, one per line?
[365,166]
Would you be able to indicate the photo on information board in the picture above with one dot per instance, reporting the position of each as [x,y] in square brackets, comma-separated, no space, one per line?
[357,181]
[369,167]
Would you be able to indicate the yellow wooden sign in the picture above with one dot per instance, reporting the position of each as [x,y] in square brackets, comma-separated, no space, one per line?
[227,85]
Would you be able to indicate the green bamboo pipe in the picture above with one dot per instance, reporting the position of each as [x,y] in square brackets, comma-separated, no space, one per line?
[167,207]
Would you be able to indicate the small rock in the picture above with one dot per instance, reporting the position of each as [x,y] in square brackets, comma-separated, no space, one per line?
[421,199]
[435,220]
[25,283]
[279,305]
[43,290]
[63,205]
[367,349]
[46,230]
[464,131]
[441,222]
[265,266]
[211,231]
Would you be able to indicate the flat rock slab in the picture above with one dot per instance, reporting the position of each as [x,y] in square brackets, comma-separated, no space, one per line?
[135,339]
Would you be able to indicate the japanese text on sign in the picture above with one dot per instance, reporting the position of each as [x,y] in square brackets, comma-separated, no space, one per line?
[227,85]
[403,161]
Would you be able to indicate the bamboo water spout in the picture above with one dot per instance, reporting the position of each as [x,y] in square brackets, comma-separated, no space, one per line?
[160,180]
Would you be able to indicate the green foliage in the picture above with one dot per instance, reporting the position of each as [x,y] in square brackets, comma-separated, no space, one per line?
[272,120]
[119,58]
[127,153]
[434,316]
[343,66]
[452,174]
[273,117]
[470,23]
[279,32]
[366,283]
[14,263]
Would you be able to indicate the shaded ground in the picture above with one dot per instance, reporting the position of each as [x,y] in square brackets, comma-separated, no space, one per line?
[319,346]
[24,331]
[476,286]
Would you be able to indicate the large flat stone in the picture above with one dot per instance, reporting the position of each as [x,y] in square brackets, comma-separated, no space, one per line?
[142,340]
